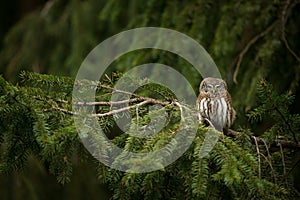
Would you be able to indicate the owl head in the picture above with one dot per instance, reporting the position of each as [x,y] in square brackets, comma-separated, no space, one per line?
[214,87]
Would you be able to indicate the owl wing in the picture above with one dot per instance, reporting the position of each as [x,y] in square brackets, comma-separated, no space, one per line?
[198,108]
[201,105]
[231,110]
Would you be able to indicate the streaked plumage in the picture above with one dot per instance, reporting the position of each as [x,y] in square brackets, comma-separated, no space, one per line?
[214,103]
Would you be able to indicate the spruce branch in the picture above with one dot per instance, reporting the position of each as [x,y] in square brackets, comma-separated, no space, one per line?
[274,106]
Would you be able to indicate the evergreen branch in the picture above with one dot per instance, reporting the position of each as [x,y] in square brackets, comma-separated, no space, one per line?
[284,16]
[268,93]
[241,55]
[49,97]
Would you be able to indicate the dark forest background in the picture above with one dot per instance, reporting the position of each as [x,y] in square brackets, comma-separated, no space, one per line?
[248,40]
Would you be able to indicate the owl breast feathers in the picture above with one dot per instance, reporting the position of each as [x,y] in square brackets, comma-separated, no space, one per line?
[214,104]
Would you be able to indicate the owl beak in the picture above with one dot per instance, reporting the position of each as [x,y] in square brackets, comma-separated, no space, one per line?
[213,91]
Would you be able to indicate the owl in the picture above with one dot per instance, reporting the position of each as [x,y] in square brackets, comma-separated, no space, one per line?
[214,104]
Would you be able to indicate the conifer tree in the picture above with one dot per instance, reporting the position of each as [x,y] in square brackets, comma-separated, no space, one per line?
[37,119]
[255,45]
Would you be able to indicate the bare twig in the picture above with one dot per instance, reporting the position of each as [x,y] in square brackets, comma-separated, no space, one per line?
[49,97]
[270,164]
[109,103]
[120,110]
[275,144]
[181,110]
[258,157]
[267,149]
[261,141]
[268,159]
[283,163]
[284,16]
[147,101]
[246,48]
[64,110]
[109,79]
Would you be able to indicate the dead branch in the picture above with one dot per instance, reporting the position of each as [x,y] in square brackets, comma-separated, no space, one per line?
[109,103]
[283,163]
[278,143]
[147,101]
[260,141]
[64,110]
[258,157]
[271,166]
[284,17]
[241,55]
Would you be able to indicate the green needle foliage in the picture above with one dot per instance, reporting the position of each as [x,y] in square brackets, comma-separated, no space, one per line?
[254,43]
[37,119]
[30,124]
[277,107]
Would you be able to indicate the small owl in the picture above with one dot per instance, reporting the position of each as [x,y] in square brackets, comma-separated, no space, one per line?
[214,104]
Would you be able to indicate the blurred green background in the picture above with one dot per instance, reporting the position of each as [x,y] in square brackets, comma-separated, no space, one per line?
[248,40]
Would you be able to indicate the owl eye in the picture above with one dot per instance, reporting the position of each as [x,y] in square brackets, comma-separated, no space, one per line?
[209,86]
[218,86]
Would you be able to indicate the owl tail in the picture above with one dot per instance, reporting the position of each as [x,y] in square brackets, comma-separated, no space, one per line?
[212,124]
[217,126]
